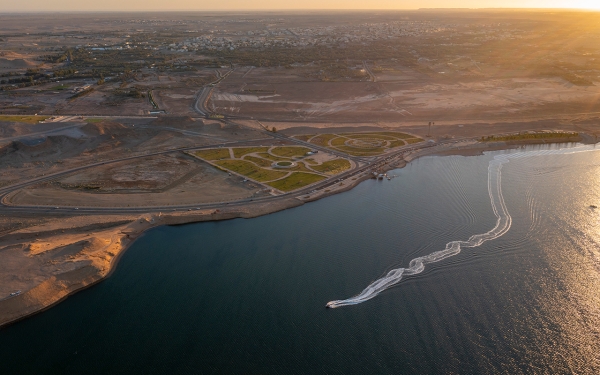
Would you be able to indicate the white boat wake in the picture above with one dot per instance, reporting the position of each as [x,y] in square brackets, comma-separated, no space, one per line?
[503,223]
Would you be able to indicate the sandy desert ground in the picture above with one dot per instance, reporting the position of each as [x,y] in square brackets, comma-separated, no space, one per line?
[402,100]
[126,102]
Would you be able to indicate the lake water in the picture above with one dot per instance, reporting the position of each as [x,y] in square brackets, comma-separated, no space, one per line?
[248,296]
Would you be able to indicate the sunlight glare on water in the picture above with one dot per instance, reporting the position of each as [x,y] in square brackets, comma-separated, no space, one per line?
[198,299]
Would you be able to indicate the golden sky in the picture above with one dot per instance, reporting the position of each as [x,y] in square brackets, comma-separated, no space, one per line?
[146,5]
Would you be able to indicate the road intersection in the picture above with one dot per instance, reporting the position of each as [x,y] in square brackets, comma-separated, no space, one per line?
[363,165]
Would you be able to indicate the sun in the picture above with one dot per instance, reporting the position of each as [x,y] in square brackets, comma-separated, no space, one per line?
[584,4]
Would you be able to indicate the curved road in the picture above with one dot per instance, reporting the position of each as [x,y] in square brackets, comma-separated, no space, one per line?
[362,165]
[4,191]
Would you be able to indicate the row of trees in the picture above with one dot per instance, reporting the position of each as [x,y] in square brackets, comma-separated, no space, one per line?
[525,136]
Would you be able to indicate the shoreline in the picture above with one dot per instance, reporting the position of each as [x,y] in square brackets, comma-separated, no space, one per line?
[57,288]
[60,286]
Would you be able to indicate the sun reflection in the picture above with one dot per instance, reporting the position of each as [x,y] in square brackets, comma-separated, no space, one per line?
[583,4]
[572,251]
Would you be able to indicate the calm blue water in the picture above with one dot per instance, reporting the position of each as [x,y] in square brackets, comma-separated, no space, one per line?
[248,296]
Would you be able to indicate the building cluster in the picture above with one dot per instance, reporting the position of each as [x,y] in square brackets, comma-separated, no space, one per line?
[304,37]
[213,37]
[335,35]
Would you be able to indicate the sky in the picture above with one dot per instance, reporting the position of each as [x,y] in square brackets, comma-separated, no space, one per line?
[199,5]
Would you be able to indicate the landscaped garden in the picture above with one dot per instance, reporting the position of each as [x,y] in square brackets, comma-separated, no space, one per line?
[362,144]
[285,168]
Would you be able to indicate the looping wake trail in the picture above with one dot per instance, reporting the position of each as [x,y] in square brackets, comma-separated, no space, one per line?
[503,223]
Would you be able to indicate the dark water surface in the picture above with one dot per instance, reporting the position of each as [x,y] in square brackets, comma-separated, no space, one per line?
[248,296]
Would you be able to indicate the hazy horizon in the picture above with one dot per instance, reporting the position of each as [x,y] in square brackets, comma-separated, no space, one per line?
[310,5]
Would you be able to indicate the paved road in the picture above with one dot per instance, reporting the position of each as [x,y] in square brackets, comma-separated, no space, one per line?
[356,159]
[313,146]
[205,93]
[182,131]
[7,189]
[376,163]
[362,165]
[201,99]
[56,130]
[373,77]
[50,131]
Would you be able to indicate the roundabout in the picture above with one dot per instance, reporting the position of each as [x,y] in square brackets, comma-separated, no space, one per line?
[284,164]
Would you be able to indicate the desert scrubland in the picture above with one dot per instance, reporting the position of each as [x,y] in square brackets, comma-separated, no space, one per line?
[113,124]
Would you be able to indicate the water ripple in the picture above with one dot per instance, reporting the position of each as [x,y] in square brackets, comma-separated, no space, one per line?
[503,224]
